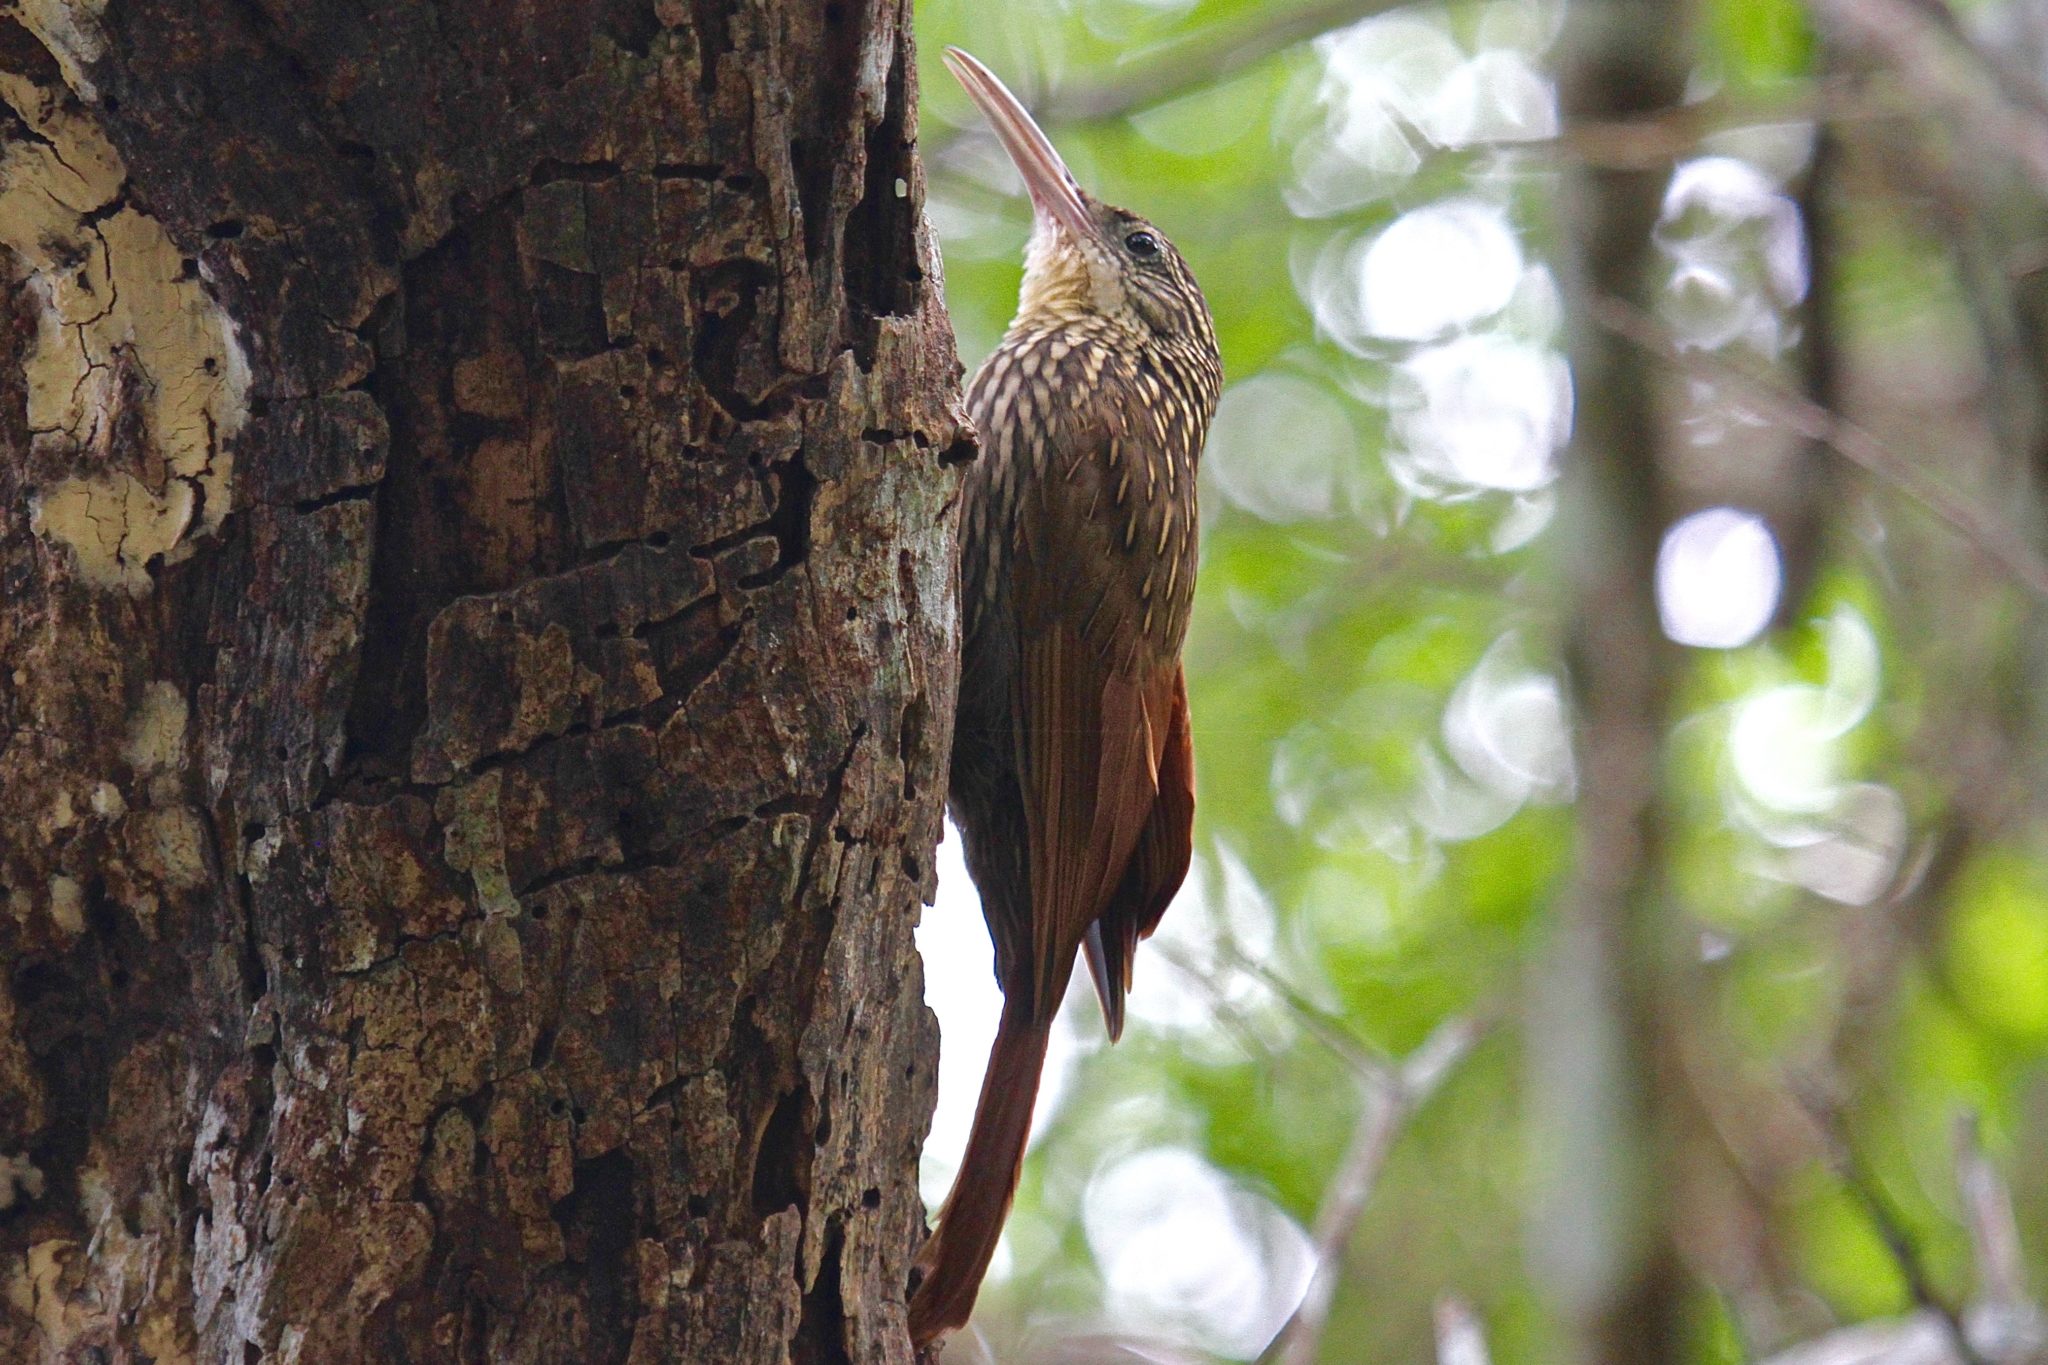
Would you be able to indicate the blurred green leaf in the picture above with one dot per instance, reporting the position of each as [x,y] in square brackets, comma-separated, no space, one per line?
[1760,43]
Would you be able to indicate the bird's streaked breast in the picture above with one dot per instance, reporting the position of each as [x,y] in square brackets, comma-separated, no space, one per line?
[1077,421]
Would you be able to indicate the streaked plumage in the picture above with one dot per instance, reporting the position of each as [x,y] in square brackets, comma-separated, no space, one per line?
[1073,762]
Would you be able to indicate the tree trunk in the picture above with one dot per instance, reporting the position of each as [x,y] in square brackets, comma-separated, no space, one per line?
[475,650]
[1609,997]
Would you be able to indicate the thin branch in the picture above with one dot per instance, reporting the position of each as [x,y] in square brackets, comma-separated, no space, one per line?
[1884,1219]
[1388,1094]
[1899,29]
[1622,144]
[1754,1135]
[1998,543]
[1180,67]
[1198,62]
[1382,1111]
[1362,1060]
[1460,1340]
[2006,1324]
[1654,140]
[1801,521]
[2002,1324]
[1919,1339]
[1877,945]
[2015,84]
[1233,1019]
[1987,1209]
[1195,63]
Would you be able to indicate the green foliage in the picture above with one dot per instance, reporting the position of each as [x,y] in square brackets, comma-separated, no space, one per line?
[1760,43]
[1998,946]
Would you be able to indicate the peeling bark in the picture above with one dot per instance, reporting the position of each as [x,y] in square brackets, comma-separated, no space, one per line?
[475,573]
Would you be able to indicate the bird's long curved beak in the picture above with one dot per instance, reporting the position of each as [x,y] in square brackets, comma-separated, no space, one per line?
[1054,195]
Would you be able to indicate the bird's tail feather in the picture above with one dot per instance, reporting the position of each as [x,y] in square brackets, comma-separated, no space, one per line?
[957,1256]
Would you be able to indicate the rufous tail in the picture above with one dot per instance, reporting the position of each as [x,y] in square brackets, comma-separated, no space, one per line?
[957,1256]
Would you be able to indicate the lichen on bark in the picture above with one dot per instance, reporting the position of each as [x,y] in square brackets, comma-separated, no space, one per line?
[128,347]
[464,634]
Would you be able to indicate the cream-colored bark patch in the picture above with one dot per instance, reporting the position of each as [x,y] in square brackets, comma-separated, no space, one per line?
[171,846]
[67,904]
[156,730]
[20,1180]
[70,29]
[130,1248]
[63,815]
[37,1289]
[114,526]
[120,320]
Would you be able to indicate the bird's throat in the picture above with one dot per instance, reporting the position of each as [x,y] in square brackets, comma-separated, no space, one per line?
[1061,284]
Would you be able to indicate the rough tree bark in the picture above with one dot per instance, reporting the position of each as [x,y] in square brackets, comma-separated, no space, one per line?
[475,623]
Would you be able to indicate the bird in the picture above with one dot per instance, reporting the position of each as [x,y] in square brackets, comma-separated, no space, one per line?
[1072,772]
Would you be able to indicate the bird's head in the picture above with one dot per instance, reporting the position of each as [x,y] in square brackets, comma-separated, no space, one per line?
[1085,257]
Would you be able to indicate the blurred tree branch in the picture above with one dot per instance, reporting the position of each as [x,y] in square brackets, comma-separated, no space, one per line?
[1386,1097]
[1388,1092]
[1605,994]
[1994,1232]
[1182,66]
[1904,30]
[1203,59]
[2002,1326]
[1822,1110]
[1998,543]
[1752,1142]
[2020,89]
[1801,519]
[1460,1339]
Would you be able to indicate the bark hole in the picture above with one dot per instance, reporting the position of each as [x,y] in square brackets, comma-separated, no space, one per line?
[823,1337]
[782,1162]
[632,24]
[911,743]
[728,299]
[596,1218]
[883,278]
[790,522]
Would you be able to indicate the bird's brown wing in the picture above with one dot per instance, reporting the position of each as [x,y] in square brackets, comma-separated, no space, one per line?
[1157,867]
[1091,746]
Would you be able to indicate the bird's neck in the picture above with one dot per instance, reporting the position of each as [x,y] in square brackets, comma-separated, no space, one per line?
[1062,284]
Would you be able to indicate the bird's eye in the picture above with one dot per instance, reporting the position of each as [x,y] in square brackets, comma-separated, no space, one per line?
[1142,244]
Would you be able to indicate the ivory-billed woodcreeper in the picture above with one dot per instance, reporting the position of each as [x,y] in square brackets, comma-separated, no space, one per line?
[1073,780]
